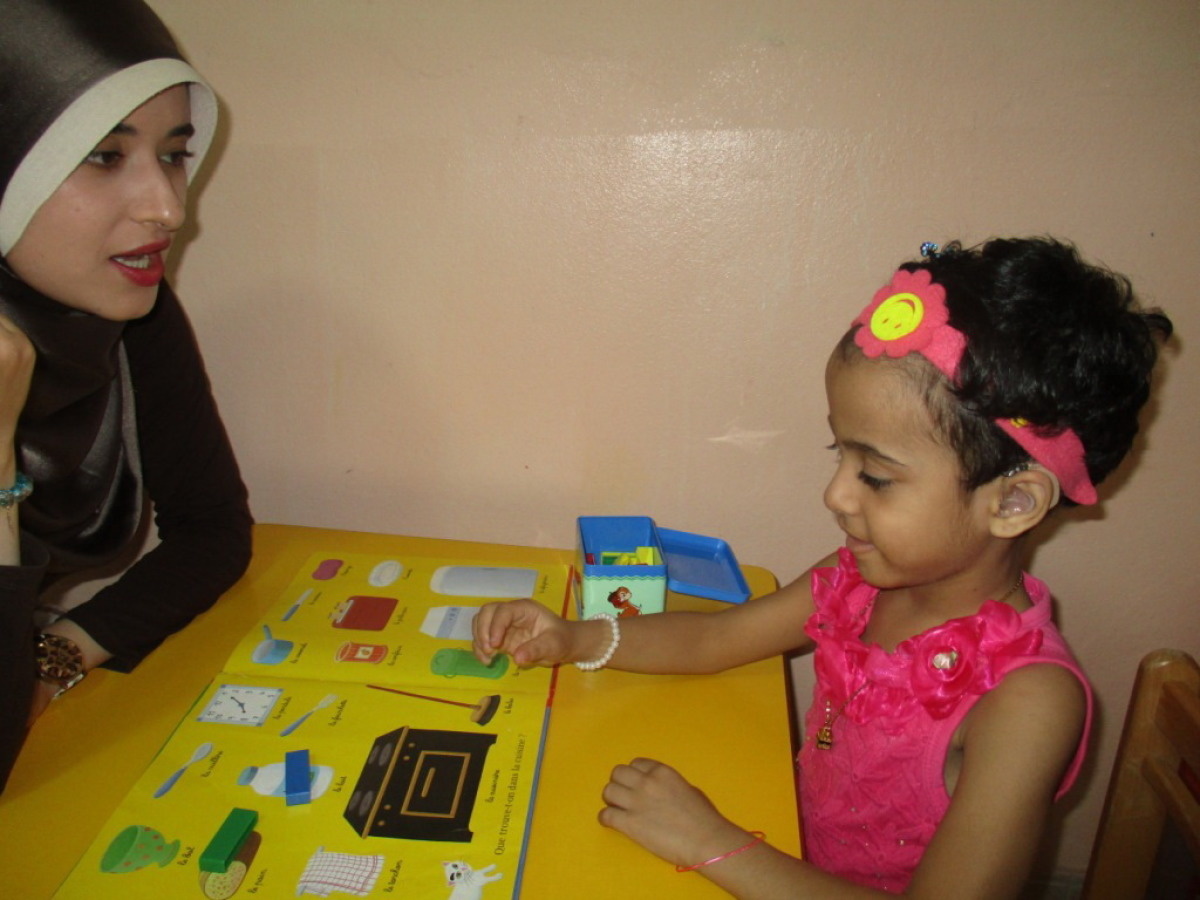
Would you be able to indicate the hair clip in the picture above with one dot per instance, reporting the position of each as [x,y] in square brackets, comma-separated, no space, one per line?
[909,314]
[929,250]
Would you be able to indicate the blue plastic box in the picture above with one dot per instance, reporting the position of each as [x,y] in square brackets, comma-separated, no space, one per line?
[606,582]
[604,586]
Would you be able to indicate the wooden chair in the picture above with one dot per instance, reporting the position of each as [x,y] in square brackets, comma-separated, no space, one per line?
[1154,777]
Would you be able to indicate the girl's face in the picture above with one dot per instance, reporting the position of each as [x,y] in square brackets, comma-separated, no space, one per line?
[897,490]
[99,243]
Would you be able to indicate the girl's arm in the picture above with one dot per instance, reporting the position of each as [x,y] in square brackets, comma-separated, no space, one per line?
[667,642]
[1016,743]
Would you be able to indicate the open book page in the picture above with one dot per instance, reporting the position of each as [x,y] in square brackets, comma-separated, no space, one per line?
[392,621]
[413,779]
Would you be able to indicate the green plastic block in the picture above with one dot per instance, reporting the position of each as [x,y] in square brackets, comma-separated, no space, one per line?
[228,840]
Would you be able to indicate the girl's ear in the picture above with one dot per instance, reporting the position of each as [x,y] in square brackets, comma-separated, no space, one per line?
[1022,499]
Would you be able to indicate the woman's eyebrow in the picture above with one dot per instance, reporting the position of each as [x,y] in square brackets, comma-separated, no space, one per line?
[185,130]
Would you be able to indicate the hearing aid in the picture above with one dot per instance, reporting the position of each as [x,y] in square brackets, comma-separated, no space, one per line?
[1016,502]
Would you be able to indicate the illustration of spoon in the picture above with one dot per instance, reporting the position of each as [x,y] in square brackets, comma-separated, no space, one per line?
[198,754]
[324,702]
[291,611]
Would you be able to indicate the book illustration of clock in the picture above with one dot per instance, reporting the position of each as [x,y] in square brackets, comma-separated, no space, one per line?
[240,704]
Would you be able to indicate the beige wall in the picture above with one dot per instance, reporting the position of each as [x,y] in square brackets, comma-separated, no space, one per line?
[472,268]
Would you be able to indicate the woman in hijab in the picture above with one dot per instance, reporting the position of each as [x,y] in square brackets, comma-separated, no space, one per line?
[105,407]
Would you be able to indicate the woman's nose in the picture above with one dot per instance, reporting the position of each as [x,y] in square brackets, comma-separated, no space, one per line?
[160,197]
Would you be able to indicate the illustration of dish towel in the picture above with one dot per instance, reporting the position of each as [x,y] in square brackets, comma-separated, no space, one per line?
[348,873]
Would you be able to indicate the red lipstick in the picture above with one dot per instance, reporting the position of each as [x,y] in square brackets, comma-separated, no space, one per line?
[144,265]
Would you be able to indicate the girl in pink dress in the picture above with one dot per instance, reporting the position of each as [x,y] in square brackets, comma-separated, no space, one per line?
[979,390]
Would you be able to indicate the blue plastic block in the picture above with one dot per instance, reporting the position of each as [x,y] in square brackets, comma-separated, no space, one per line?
[297,781]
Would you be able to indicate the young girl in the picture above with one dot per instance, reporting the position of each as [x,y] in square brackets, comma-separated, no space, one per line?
[104,402]
[979,390]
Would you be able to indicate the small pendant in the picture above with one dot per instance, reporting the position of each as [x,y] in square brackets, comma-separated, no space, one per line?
[825,737]
[825,732]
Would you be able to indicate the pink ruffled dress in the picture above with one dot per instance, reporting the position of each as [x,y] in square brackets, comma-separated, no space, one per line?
[872,801]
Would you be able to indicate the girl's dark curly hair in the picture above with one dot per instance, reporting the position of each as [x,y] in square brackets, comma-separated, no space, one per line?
[1051,339]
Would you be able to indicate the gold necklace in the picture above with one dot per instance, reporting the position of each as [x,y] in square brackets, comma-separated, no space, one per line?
[1012,590]
[824,735]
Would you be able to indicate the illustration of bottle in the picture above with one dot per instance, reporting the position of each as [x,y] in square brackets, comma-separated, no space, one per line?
[268,780]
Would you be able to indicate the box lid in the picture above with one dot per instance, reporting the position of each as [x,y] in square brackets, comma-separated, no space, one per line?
[702,566]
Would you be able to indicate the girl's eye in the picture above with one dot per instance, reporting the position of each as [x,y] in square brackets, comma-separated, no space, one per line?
[875,484]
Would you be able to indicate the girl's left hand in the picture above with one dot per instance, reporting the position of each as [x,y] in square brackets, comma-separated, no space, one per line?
[655,806]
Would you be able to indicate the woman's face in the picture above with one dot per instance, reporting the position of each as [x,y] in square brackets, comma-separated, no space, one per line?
[99,243]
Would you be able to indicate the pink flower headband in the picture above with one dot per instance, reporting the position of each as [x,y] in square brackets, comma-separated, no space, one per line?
[909,315]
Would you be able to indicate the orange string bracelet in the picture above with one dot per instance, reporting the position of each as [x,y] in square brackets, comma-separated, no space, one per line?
[759,837]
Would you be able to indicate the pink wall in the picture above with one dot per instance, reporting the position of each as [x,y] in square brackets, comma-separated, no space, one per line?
[472,269]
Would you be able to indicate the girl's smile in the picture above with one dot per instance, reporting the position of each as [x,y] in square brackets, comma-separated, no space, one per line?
[856,546]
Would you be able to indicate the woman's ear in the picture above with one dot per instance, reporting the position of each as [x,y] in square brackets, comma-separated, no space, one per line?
[1023,498]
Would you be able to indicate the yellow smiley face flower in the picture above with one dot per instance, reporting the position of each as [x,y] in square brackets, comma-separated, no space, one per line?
[909,314]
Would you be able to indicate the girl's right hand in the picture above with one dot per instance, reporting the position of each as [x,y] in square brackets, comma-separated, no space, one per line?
[653,804]
[17,357]
[528,632]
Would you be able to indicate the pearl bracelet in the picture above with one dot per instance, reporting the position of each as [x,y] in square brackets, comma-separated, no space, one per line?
[612,647]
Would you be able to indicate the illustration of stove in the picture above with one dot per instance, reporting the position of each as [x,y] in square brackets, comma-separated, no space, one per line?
[419,785]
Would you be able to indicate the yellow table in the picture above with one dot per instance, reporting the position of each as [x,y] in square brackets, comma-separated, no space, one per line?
[727,733]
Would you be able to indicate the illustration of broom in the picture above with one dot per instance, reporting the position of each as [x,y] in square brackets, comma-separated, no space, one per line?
[481,712]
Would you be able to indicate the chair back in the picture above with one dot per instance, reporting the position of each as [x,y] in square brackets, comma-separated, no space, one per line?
[1154,778]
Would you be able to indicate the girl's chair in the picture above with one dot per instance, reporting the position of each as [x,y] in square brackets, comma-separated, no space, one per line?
[1155,778]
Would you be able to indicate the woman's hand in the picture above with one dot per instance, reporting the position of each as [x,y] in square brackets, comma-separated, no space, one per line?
[17,357]
[526,631]
[655,806]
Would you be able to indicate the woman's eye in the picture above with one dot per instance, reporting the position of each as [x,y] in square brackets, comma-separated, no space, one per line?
[176,158]
[105,159]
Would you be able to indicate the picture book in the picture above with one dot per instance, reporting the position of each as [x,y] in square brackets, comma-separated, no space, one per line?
[352,746]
